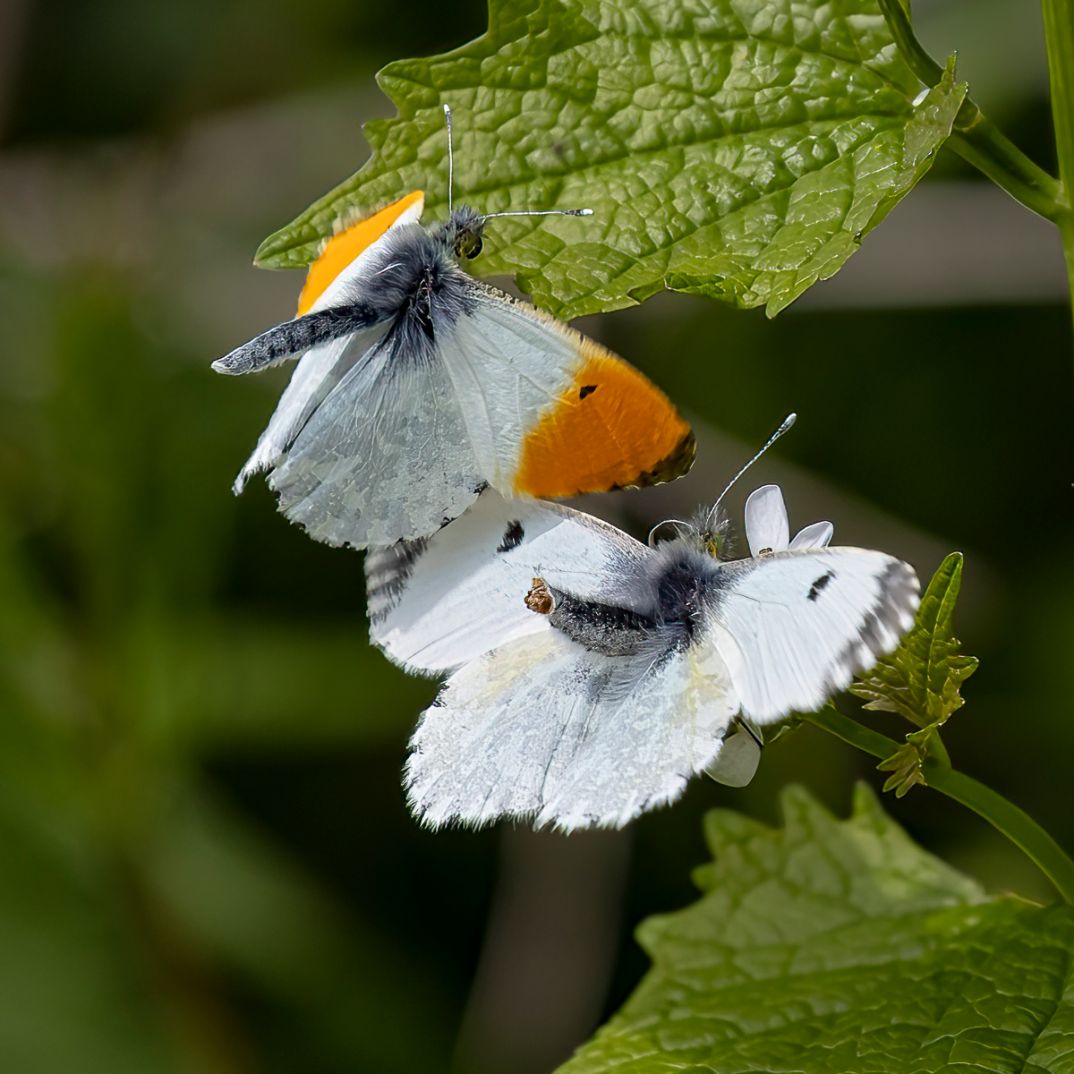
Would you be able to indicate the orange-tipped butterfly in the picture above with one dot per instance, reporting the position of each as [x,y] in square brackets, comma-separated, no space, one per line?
[418,387]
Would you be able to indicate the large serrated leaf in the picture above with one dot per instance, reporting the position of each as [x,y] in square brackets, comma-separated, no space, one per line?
[922,679]
[840,946]
[734,148]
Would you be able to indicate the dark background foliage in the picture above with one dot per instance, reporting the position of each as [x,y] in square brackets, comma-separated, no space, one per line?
[206,864]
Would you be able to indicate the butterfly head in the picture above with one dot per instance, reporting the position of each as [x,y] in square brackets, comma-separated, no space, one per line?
[707,533]
[463,232]
[464,227]
[714,533]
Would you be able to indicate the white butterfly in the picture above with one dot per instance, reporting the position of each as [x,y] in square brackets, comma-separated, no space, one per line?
[591,676]
[417,386]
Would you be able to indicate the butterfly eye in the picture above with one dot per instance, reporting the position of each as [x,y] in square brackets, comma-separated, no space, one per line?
[467,243]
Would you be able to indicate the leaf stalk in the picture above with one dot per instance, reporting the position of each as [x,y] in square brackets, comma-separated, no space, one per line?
[975,137]
[1007,818]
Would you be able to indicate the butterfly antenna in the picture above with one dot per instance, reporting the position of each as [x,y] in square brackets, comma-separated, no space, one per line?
[450,161]
[787,422]
[541,212]
[669,522]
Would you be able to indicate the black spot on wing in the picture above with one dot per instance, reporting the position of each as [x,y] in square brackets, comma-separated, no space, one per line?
[512,537]
[819,585]
[586,389]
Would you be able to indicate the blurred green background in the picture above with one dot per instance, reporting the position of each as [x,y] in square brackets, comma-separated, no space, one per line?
[206,864]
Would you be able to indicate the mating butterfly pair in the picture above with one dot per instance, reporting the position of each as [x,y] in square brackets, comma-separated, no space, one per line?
[589,676]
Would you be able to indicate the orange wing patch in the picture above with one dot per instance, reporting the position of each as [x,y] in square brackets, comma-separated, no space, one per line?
[613,428]
[342,249]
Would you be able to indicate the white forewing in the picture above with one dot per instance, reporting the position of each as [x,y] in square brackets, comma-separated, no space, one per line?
[508,363]
[384,456]
[320,369]
[543,729]
[336,291]
[436,604]
[795,627]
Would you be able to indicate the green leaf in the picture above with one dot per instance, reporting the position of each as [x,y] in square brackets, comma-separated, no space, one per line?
[907,763]
[840,946]
[733,148]
[921,680]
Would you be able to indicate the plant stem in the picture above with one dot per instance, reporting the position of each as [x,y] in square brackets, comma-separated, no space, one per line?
[975,138]
[1059,39]
[1017,825]
[993,154]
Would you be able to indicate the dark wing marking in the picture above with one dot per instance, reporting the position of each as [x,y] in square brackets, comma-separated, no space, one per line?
[386,574]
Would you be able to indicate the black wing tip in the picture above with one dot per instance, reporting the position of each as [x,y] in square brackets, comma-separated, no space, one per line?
[670,468]
[888,621]
[900,590]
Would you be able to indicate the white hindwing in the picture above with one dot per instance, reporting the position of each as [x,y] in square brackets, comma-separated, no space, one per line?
[369,448]
[438,603]
[321,368]
[794,627]
[384,456]
[543,729]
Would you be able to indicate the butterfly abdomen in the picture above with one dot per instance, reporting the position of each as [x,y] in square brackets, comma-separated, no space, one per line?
[294,337]
[602,628]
